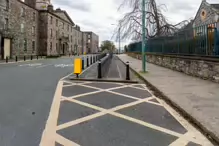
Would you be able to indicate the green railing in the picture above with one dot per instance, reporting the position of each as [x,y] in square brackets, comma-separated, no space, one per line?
[199,41]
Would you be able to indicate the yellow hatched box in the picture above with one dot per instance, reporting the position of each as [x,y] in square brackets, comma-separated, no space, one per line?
[77,66]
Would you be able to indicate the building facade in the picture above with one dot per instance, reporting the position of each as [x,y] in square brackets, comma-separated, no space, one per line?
[92,42]
[33,27]
[4,12]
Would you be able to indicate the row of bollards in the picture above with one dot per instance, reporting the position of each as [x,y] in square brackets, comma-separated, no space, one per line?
[90,61]
[99,70]
[24,58]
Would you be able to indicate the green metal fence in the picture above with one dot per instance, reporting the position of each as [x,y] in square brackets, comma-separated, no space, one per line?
[198,41]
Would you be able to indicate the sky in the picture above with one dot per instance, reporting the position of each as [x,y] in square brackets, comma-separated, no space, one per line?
[99,15]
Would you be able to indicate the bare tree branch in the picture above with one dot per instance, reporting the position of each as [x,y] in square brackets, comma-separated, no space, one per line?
[130,25]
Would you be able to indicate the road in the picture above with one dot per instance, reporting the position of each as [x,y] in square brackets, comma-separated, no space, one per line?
[40,107]
[27,91]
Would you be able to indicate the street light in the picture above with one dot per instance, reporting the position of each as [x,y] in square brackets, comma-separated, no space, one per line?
[143,38]
[119,37]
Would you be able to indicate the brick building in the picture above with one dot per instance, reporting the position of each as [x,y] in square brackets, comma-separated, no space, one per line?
[92,42]
[33,27]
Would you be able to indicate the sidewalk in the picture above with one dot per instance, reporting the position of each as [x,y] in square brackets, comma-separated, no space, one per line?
[199,99]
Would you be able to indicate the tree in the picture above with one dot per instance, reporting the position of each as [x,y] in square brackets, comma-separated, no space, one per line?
[126,48]
[130,25]
[107,45]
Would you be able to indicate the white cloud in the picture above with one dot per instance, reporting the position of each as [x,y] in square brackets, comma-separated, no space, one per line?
[98,15]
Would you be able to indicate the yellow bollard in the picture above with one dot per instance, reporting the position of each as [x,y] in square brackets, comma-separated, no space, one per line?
[77,66]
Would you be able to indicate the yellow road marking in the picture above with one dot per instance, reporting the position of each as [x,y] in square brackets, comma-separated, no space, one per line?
[64,141]
[48,138]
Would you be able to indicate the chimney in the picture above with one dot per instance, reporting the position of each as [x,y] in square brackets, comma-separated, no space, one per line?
[50,8]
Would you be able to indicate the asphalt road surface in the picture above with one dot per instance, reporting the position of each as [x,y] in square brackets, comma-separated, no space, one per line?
[26,94]
[115,114]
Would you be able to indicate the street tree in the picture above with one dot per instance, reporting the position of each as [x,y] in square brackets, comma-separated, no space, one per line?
[108,45]
[130,26]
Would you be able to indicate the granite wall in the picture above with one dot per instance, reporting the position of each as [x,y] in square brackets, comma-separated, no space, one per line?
[197,67]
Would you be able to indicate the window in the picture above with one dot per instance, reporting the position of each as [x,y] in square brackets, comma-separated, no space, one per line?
[71,39]
[25,45]
[88,36]
[63,25]
[88,41]
[33,30]
[51,19]
[56,34]
[51,46]
[33,46]
[34,16]
[50,32]
[22,28]
[57,22]
[22,12]
[7,5]
[6,23]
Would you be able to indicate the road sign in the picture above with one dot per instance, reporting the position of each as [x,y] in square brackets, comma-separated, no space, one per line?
[77,66]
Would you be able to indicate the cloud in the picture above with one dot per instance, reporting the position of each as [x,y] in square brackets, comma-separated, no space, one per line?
[98,15]
[81,5]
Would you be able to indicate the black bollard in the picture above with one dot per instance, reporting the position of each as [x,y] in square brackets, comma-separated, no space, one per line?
[24,58]
[82,64]
[87,62]
[37,57]
[7,59]
[127,71]
[16,58]
[94,59]
[31,57]
[90,60]
[99,70]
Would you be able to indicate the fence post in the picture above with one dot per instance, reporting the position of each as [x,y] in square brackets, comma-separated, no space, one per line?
[82,63]
[127,71]
[87,61]
[6,59]
[99,70]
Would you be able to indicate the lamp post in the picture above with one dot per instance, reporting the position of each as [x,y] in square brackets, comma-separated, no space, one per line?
[143,38]
[119,37]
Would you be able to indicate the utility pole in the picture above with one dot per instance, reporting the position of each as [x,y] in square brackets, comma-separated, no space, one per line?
[143,38]
[119,38]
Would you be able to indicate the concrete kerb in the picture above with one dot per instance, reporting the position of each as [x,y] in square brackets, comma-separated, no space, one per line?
[105,80]
[211,136]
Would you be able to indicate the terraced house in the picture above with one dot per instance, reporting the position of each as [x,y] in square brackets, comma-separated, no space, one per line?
[34,27]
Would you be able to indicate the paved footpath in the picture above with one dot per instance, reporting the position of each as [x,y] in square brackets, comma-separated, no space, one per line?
[114,114]
[197,97]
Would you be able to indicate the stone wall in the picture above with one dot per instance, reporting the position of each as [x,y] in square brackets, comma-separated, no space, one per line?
[23,29]
[208,70]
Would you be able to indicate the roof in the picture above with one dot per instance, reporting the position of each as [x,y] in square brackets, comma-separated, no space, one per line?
[216,6]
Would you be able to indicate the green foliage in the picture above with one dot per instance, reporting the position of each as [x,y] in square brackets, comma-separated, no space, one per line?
[108,45]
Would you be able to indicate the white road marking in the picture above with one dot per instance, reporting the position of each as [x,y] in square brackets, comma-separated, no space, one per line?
[120,76]
[43,66]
